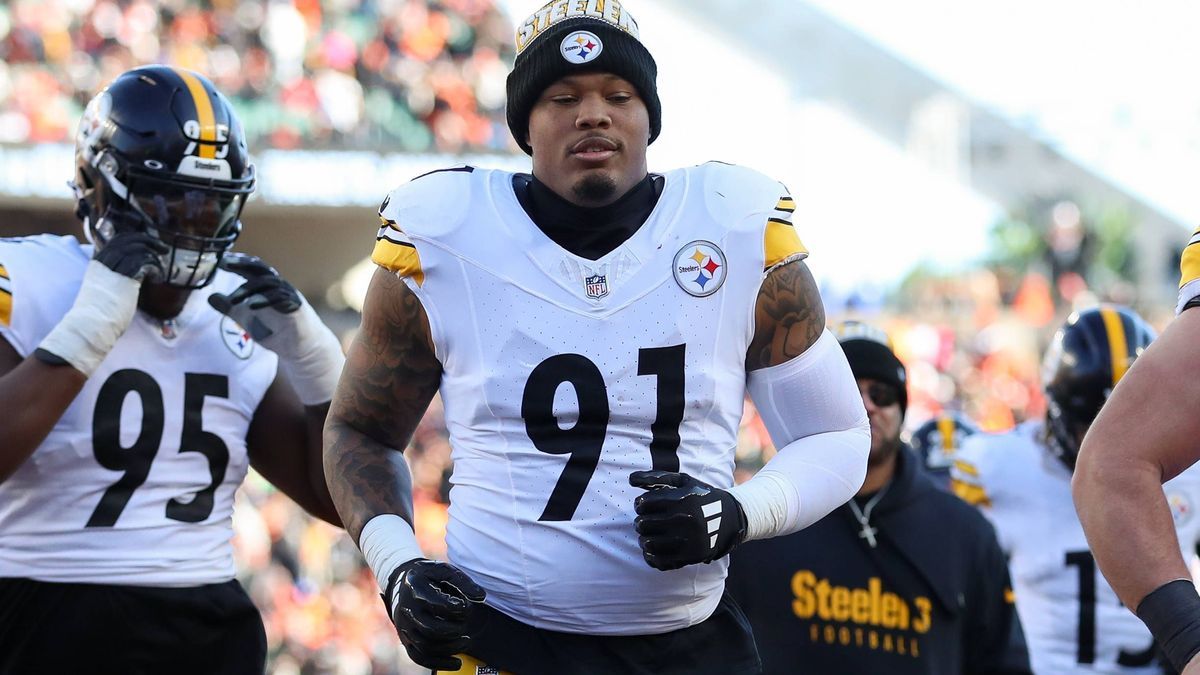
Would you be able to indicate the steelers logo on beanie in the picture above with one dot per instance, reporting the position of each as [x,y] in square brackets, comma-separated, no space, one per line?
[567,37]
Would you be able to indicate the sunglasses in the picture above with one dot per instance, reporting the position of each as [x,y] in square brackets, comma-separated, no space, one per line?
[882,394]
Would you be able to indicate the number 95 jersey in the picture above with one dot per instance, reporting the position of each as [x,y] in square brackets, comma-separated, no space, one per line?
[563,375]
[135,483]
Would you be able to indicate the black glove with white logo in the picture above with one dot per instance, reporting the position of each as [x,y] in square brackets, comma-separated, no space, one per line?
[264,288]
[684,521]
[430,604]
[277,315]
[136,255]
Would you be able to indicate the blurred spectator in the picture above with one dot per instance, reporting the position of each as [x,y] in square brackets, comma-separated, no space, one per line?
[400,75]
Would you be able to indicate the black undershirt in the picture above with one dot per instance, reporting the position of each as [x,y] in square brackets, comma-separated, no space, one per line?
[587,232]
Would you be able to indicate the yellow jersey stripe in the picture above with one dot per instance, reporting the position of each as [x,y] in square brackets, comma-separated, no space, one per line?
[1009,596]
[399,258]
[966,468]
[6,308]
[786,204]
[780,242]
[946,429]
[974,495]
[204,114]
[1117,347]
[1189,263]
[4,272]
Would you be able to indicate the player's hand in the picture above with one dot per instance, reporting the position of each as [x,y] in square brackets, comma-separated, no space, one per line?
[276,314]
[430,604]
[264,304]
[135,255]
[683,521]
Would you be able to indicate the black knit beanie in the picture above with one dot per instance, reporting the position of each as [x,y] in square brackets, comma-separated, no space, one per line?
[871,357]
[563,38]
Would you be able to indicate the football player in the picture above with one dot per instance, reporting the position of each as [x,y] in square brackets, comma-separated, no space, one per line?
[143,372]
[1145,436]
[593,330]
[939,438]
[1074,622]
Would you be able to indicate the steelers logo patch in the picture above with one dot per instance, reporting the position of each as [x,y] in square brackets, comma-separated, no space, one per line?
[699,268]
[236,338]
[1181,507]
[581,47]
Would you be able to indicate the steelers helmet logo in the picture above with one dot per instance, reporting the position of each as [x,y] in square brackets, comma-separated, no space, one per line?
[699,268]
[236,338]
[581,47]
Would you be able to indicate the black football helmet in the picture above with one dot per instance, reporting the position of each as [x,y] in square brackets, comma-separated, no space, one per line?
[160,150]
[1085,360]
[940,437]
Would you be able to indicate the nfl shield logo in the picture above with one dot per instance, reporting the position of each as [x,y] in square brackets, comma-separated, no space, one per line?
[596,286]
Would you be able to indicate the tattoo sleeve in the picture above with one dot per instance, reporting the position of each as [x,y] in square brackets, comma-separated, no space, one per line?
[788,316]
[391,375]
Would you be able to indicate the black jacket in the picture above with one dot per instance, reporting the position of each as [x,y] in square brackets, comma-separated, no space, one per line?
[932,597]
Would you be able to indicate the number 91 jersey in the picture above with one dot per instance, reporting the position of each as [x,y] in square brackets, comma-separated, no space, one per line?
[563,375]
[135,483]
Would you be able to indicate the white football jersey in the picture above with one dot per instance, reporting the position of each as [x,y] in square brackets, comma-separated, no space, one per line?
[1073,621]
[135,483]
[564,375]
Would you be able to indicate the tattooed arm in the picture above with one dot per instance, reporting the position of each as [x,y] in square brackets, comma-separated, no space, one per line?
[808,399]
[391,374]
[390,377]
[788,316]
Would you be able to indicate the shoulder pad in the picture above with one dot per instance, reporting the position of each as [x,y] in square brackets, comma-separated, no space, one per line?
[39,279]
[971,473]
[428,206]
[746,198]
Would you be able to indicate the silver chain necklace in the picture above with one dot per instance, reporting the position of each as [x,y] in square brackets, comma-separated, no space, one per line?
[864,516]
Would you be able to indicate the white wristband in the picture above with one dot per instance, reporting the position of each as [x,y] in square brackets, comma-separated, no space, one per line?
[102,312]
[315,368]
[387,542]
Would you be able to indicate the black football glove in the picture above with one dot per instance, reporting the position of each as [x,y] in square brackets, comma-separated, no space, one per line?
[264,289]
[683,521]
[136,255]
[430,604]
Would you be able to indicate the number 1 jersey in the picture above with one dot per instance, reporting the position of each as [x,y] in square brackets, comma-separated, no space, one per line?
[1073,620]
[563,375]
[134,484]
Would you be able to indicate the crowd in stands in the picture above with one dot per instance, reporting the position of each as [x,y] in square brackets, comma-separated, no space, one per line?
[391,75]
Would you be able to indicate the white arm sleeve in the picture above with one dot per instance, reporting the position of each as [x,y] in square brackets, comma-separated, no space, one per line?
[815,415]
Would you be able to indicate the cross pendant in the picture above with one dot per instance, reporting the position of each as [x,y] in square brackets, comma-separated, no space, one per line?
[868,533]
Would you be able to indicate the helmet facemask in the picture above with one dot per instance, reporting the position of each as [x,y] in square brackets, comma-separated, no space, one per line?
[145,165]
[198,219]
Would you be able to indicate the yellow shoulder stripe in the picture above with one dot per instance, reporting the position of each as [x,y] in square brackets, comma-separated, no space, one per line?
[399,258]
[1189,263]
[974,495]
[966,468]
[5,297]
[780,242]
